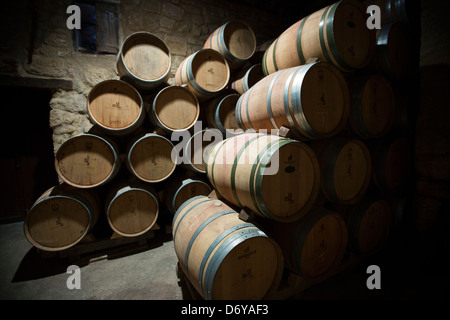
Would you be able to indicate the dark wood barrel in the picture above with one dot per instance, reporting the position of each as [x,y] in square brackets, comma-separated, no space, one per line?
[223,257]
[61,217]
[336,34]
[345,169]
[369,225]
[144,60]
[312,100]
[277,178]
[116,107]
[315,245]
[373,106]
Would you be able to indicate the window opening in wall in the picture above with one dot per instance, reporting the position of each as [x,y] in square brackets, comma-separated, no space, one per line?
[99,31]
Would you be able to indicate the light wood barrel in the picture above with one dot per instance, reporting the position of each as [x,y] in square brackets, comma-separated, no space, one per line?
[243,81]
[87,161]
[235,40]
[61,217]
[314,245]
[312,100]
[220,113]
[345,169]
[197,147]
[175,108]
[206,73]
[392,160]
[182,188]
[131,207]
[373,107]
[337,34]
[393,56]
[116,107]
[150,158]
[369,224]
[144,60]
[275,177]
[222,256]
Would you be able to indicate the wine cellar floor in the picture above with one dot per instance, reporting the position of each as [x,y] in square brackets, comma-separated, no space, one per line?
[151,273]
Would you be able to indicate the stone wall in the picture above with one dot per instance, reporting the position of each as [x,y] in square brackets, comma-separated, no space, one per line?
[38,45]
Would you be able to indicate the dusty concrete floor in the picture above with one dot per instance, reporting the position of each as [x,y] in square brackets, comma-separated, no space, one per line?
[411,269]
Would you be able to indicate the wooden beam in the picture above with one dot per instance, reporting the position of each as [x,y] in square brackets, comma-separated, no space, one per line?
[43,83]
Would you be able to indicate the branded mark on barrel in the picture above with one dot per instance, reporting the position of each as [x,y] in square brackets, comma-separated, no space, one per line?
[248,274]
[247,253]
[288,198]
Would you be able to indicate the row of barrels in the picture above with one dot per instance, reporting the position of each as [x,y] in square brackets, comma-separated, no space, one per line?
[312,190]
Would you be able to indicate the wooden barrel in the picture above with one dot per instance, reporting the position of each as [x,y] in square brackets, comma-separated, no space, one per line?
[275,177]
[243,81]
[312,100]
[315,245]
[175,108]
[403,11]
[392,160]
[151,158]
[61,217]
[222,256]
[235,40]
[87,161]
[182,188]
[260,51]
[345,169]
[116,107]
[373,111]
[337,34]
[144,60]
[220,113]
[369,225]
[194,157]
[131,207]
[393,56]
[206,73]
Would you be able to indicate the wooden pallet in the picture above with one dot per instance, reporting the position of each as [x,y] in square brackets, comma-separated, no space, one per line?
[92,249]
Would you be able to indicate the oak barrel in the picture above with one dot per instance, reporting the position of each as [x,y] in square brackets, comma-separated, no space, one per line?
[404,11]
[175,108]
[345,169]
[242,81]
[222,256]
[336,34]
[132,207]
[368,224]
[151,158]
[315,245]
[87,161]
[220,113]
[206,73]
[61,217]
[116,107]
[178,189]
[312,100]
[394,51]
[275,177]
[373,107]
[235,40]
[393,163]
[197,147]
[144,60]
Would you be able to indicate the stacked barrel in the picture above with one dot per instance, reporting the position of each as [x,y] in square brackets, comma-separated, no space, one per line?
[303,135]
